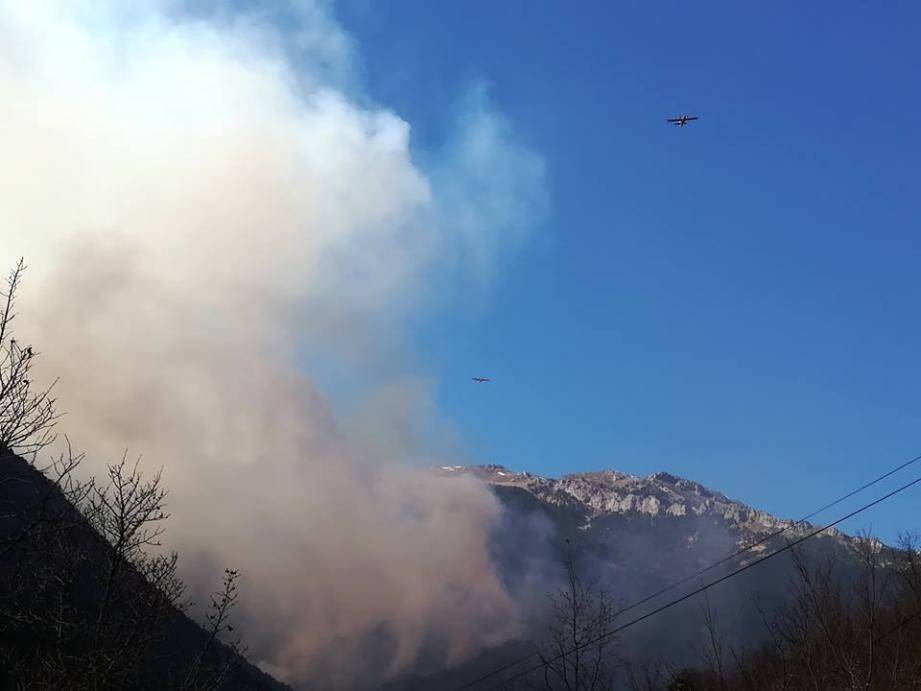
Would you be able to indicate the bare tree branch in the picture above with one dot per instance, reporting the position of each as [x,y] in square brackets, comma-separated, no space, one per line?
[27,416]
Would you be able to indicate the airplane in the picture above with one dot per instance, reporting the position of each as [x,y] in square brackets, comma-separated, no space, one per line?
[480,380]
[682,120]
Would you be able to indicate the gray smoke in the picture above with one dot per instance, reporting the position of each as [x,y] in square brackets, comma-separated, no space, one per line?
[200,216]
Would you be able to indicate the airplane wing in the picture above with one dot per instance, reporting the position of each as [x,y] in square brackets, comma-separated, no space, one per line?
[673,120]
[692,117]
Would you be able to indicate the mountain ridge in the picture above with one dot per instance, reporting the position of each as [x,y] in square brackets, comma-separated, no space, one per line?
[604,493]
[646,541]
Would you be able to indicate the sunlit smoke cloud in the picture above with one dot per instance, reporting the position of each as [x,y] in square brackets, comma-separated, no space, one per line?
[196,212]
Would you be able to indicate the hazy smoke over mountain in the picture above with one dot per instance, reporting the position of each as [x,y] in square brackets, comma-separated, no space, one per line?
[203,207]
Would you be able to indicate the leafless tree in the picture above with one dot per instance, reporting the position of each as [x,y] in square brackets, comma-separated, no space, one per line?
[714,650]
[855,626]
[201,676]
[581,654]
[93,593]
[87,595]
[27,415]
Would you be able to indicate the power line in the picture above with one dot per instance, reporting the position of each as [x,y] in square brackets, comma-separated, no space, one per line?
[765,539]
[706,587]
[697,591]
[712,566]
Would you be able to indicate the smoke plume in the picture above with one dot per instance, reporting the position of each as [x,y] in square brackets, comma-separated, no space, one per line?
[203,205]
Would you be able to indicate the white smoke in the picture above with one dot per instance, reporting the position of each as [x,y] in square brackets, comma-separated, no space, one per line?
[197,212]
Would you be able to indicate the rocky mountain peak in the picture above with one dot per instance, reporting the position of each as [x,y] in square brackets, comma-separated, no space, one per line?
[607,492]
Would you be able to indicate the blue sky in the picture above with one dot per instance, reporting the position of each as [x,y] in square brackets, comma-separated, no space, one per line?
[735,302]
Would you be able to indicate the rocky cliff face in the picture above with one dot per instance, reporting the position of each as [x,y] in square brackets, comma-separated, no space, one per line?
[636,535]
[601,495]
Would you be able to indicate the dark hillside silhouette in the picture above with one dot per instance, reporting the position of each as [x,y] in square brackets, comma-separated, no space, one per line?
[88,598]
[55,569]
